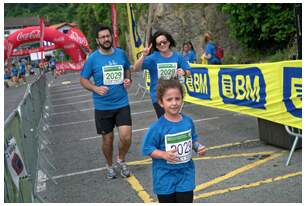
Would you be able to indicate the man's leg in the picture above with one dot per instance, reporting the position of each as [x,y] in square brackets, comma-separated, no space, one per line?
[107,147]
[125,137]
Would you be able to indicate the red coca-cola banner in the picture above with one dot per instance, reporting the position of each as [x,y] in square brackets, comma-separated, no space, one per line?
[69,66]
[78,37]
[31,34]
[23,52]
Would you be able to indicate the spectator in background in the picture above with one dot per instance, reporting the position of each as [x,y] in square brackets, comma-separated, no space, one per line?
[210,50]
[22,71]
[7,77]
[193,55]
[15,74]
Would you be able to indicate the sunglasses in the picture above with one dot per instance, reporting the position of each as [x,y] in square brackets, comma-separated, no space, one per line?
[162,43]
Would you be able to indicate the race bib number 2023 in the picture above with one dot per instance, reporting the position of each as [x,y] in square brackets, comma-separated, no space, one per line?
[182,143]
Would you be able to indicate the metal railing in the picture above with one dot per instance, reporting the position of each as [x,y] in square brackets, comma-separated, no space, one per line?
[25,143]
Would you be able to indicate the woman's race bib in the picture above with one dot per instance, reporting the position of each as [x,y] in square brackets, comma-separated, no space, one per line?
[112,74]
[182,143]
[166,70]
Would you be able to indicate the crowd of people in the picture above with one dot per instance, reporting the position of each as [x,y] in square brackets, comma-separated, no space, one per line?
[170,140]
[19,72]
[15,74]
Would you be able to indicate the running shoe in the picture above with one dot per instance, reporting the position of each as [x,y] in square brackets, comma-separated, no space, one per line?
[125,172]
[110,173]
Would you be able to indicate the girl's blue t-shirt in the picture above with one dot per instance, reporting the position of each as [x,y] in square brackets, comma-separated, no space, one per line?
[155,139]
[155,61]
[105,68]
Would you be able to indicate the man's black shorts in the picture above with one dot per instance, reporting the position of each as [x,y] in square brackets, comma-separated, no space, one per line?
[107,119]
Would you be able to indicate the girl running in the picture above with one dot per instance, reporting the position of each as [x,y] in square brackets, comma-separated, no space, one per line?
[169,142]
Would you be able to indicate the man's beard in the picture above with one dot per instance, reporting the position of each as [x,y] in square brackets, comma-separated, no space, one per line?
[106,47]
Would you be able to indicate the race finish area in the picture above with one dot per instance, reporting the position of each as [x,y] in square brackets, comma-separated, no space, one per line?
[237,167]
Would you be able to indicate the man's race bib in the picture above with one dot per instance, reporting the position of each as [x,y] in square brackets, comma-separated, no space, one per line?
[166,70]
[112,74]
[182,143]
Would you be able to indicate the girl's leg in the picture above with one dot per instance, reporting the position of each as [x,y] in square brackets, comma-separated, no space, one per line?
[167,198]
[184,197]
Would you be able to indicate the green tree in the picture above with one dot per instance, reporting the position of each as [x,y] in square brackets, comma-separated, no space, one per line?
[261,26]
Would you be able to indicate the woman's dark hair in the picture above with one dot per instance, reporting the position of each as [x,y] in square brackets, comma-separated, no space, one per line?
[101,27]
[162,33]
[191,46]
[163,85]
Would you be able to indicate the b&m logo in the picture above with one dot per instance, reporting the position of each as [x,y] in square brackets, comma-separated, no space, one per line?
[292,87]
[243,87]
[197,84]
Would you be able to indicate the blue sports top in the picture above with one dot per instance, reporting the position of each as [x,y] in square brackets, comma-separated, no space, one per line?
[160,66]
[108,70]
[155,138]
[211,49]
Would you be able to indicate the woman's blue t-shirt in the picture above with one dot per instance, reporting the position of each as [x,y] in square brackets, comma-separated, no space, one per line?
[155,62]
[211,49]
[103,68]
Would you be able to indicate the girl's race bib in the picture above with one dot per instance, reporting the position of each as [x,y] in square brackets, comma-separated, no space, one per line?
[166,70]
[112,74]
[182,143]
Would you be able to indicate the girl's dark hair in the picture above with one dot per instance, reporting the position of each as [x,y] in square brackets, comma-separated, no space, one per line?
[101,27]
[162,33]
[164,85]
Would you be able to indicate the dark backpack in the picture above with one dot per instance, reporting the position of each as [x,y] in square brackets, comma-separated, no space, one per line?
[219,52]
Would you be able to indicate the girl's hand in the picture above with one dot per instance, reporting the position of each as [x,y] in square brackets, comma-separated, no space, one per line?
[170,156]
[146,50]
[202,150]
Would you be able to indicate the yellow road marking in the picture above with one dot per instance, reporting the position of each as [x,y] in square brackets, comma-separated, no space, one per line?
[232,144]
[234,155]
[236,172]
[246,186]
[139,189]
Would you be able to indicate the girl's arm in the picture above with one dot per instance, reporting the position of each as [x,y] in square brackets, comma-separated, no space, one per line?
[199,148]
[166,155]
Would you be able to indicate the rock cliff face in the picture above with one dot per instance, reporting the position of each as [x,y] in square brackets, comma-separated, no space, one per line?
[189,22]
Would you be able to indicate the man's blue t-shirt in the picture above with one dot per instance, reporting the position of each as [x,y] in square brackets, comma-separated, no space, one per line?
[164,67]
[162,134]
[108,70]
[15,71]
[211,49]
[22,68]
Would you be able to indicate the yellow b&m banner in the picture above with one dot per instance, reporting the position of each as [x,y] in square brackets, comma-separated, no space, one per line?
[271,91]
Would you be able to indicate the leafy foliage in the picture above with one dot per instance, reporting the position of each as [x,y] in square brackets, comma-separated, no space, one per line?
[261,26]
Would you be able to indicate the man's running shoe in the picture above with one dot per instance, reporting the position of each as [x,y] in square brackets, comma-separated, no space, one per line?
[110,173]
[125,172]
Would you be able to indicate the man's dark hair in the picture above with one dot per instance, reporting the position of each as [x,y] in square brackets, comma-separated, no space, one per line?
[162,33]
[101,27]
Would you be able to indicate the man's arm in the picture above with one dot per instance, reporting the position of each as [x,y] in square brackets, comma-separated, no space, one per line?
[91,87]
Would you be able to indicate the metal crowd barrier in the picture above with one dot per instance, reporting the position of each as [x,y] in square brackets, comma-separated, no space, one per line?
[23,139]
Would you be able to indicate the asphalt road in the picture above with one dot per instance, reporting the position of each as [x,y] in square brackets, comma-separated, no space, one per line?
[238,167]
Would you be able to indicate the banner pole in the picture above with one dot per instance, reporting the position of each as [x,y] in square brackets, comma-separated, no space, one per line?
[114,22]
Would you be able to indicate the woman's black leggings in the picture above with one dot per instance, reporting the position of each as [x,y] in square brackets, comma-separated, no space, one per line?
[177,197]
